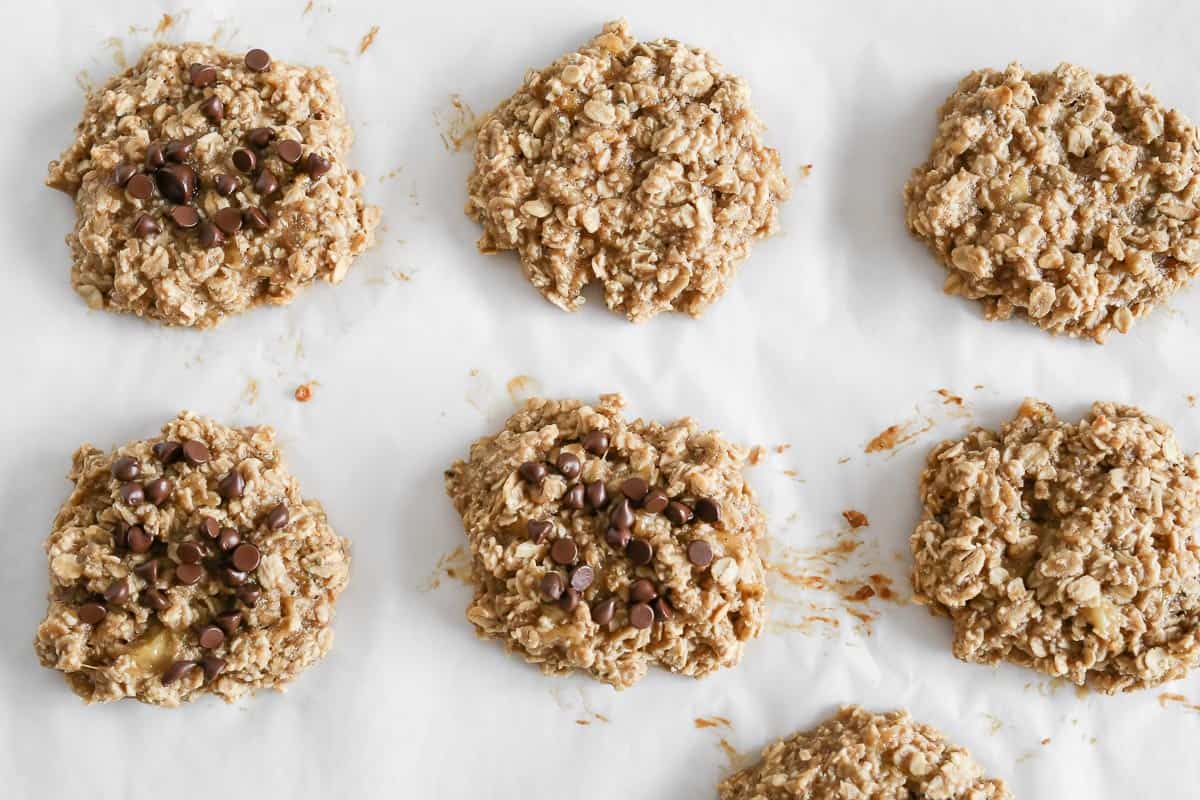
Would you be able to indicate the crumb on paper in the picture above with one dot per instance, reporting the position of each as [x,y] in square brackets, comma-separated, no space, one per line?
[782,448]
[521,388]
[402,277]
[1046,741]
[368,39]
[857,519]
[994,723]
[456,564]
[307,8]
[948,398]
[844,460]
[712,722]
[805,170]
[457,125]
[1191,399]
[758,454]
[895,436]
[391,174]
[250,392]
[164,24]
[304,392]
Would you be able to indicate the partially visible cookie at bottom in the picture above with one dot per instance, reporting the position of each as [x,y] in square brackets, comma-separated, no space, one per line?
[186,564]
[605,545]
[1066,547]
[858,754]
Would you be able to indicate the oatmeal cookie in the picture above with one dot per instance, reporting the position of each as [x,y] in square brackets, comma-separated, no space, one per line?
[636,164]
[603,545]
[857,754]
[1066,548]
[1066,197]
[188,563]
[207,183]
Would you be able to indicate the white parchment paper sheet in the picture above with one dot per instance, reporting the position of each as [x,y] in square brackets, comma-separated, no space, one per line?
[835,330]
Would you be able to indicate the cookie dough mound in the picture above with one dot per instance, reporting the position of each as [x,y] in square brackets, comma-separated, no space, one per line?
[636,164]
[188,563]
[1065,197]
[207,183]
[857,754]
[603,545]
[1066,548]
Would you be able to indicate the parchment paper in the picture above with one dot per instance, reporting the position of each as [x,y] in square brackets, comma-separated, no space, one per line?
[834,331]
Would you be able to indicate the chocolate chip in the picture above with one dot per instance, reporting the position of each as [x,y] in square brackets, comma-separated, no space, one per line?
[596,443]
[622,514]
[178,150]
[552,585]
[158,490]
[140,187]
[258,61]
[212,667]
[642,591]
[145,226]
[185,217]
[147,571]
[201,75]
[569,600]
[679,513]
[210,528]
[532,472]
[662,609]
[266,184]
[604,611]
[641,616]
[569,465]
[189,574]
[154,156]
[229,220]
[190,553]
[581,577]
[117,592]
[125,468]
[154,599]
[256,219]
[132,494]
[195,452]
[538,530]
[177,671]
[167,452]
[122,173]
[259,137]
[138,540]
[246,557]
[655,501]
[229,539]
[617,537]
[229,621]
[708,511]
[210,636]
[231,577]
[212,108]
[564,551]
[289,150]
[640,552]
[277,517]
[699,552]
[224,185]
[597,495]
[177,183]
[316,166]
[210,236]
[232,486]
[92,613]
[575,498]
[245,160]
[635,489]
[249,594]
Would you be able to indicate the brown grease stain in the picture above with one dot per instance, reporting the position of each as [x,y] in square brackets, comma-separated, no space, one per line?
[521,388]
[1166,698]
[456,125]
[164,24]
[456,564]
[895,436]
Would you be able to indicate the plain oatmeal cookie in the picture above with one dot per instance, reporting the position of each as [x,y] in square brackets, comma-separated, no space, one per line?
[206,183]
[1066,197]
[188,563]
[1066,548]
[857,755]
[604,545]
[639,165]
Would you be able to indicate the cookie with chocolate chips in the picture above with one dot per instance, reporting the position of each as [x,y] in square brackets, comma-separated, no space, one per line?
[605,545]
[188,563]
[209,182]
